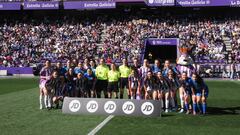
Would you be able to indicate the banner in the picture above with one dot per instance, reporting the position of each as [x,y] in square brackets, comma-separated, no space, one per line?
[89,4]
[197,3]
[164,41]
[160,2]
[10,5]
[96,106]
[18,70]
[41,5]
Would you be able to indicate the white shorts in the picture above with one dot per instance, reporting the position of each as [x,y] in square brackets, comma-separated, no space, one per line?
[42,85]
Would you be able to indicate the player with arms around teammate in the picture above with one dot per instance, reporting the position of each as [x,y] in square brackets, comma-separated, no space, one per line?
[134,83]
[125,71]
[113,79]
[102,78]
[45,74]
[185,91]
[201,93]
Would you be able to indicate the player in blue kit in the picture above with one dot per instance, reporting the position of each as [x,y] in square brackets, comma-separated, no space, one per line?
[185,91]
[91,80]
[201,93]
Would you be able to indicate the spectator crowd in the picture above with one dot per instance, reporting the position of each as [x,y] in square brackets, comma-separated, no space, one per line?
[29,41]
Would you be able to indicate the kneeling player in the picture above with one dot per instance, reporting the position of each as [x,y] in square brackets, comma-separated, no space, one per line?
[201,91]
[174,84]
[52,87]
[185,91]
[163,90]
[91,79]
[80,84]
[134,84]
[149,86]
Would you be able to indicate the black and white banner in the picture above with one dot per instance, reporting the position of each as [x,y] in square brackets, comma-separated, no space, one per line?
[111,107]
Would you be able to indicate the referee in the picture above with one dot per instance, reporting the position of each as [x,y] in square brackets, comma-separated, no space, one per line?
[102,78]
[113,78]
[125,71]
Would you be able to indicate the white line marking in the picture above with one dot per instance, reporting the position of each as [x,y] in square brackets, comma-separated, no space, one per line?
[99,126]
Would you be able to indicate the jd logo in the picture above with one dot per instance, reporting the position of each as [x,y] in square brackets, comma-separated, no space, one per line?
[92,106]
[128,107]
[110,107]
[74,105]
[147,108]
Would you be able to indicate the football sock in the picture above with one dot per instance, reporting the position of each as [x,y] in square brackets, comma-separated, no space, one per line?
[182,101]
[204,106]
[49,101]
[167,103]
[41,101]
[172,102]
[194,107]
[198,107]
[161,103]
[45,101]
[186,106]
[121,96]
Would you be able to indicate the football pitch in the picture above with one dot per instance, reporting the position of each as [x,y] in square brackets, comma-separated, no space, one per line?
[20,115]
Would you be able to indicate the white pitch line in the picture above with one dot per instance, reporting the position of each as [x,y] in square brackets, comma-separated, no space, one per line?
[99,126]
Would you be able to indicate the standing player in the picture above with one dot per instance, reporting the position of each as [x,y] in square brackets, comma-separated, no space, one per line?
[45,74]
[61,71]
[135,64]
[93,66]
[134,83]
[185,92]
[167,66]
[113,79]
[102,78]
[79,69]
[156,67]
[124,73]
[143,70]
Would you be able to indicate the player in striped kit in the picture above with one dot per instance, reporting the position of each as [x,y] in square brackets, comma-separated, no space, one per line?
[45,75]
[143,70]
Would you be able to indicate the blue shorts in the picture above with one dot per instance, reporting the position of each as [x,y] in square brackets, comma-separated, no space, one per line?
[188,92]
[205,94]
[199,94]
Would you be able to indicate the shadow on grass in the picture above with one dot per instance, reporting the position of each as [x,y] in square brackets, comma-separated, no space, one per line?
[223,111]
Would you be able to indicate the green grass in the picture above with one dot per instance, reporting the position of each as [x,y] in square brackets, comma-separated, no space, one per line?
[223,117]
[20,115]
[17,84]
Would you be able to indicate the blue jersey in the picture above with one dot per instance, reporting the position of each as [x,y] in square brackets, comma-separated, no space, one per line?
[78,70]
[165,71]
[187,84]
[155,69]
[89,77]
[199,88]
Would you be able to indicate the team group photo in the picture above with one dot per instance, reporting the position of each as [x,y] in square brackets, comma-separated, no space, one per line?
[119,67]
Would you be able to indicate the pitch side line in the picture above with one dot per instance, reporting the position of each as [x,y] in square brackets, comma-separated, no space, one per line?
[101,125]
